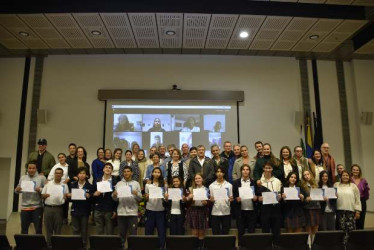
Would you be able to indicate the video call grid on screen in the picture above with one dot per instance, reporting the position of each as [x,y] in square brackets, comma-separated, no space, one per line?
[153,125]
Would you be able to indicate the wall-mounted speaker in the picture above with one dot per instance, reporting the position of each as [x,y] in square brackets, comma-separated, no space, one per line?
[42,116]
[367,118]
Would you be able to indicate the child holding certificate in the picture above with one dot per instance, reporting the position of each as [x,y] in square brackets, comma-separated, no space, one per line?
[312,208]
[220,196]
[244,207]
[294,219]
[155,208]
[328,206]
[81,206]
[105,207]
[176,207]
[198,213]
[128,194]
[269,196]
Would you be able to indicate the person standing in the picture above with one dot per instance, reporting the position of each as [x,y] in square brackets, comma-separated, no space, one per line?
[364,189]
[98,165]
[127,209]
[31,203]
[130,163]
[237,155]
[287,163]
[328,206]
[44,160]
[200,164]
[116,162]
[218,161]
[259,146]
[72,157]
[301,161]
[227,150]
[54,194]
[142,165]
[185,152]
[244,159]
[328,161]
[339,170]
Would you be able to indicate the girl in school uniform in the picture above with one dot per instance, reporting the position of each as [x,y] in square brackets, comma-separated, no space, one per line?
[294,219]
[328,206]
[176,208]
[198,212]
[312,209]
[155,208]
[221,218]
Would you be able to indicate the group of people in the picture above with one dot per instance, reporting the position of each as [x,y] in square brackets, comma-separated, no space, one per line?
[186,189]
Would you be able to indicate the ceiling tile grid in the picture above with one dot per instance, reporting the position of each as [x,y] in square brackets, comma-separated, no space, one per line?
[270,30]
[119,28]
[220,30]
[195,30]
[17,27]
[245,23]
[94,29]
[170,29]
[293,33]
[10,41]
[144,26]
[69,29]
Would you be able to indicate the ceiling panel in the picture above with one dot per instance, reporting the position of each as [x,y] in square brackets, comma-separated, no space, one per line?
[368,48]
[246,23]
[220,30]
[119,28]
[293,33]
[41,26]
[94,29]
[269,32]
[10,41]
[320,29]
[69,29]
[342,2]
[145,29]
[364,2]
[195,30]
[170,29]
[342,32]
[16,26]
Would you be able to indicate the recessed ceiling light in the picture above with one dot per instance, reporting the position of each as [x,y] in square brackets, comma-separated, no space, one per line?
[244,34]
[96,33]
[170,32]
[313,37]
[23,33]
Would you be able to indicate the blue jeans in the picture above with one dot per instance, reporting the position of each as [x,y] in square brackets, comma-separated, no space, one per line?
[156,219]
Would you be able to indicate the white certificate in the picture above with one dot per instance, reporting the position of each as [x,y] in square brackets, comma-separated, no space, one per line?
[28,186]
[78,194]
[316,194]
[175,194]
[55,192]
[155,193]
[246,193]
[104,187]
[220,194]
[200,194]
[330,193]
[269,198]
[292,193]
[123,191]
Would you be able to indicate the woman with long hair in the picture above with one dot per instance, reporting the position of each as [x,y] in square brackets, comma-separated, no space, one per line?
[142,165]
[98,165]
[316,164]
[364,189]
[328,206]
[268,157]
[287,163]
[116,162]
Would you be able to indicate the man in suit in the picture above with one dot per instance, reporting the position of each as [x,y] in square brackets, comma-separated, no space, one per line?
[200,164]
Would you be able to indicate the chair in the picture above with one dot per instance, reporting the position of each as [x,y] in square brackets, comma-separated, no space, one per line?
[64,242]
[361,239]
[292,241]
[4,243]
[25,241]
[328,240]
[105,242]
[257,241]
[219,242]
[181,242]
[149,242]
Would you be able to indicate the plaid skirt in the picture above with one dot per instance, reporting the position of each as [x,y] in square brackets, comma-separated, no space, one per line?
[295,221]
[197,217]
[312,217]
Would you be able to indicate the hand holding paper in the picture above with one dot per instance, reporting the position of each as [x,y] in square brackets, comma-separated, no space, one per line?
[220,194]
[291,193]
[155,193]
[269,198]
[200,194]
[78,194]
[246,193]
[123,191]
[175,194]
[330,193]
[316,194]
[28,186]
[104,187]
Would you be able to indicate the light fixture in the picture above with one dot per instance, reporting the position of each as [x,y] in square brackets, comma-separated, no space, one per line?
[96,33]
[313,37]
[244,34]
[23,33]
[170,33]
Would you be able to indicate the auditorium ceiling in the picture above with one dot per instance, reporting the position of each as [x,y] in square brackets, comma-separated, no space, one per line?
[320,29]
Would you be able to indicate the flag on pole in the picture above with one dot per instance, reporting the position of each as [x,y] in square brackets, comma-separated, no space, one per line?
[302,143]
[308,138]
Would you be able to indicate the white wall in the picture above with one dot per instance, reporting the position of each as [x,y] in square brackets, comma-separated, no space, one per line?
[71,84]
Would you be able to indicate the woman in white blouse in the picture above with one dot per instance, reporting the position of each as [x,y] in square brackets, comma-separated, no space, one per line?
[116,161]
[348,204]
